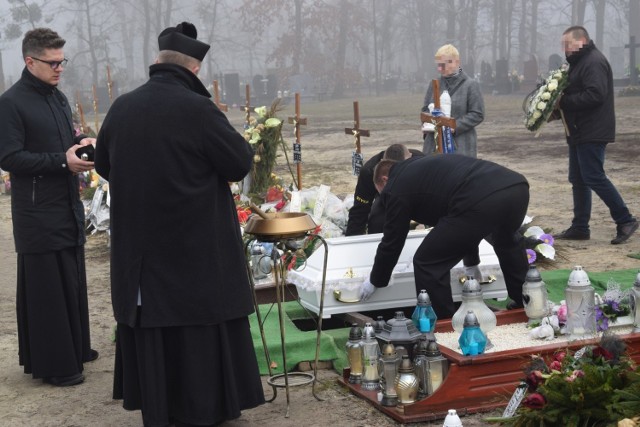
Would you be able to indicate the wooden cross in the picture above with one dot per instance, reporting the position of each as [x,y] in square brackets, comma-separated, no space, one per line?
[109,84]
[297,121]
[95,107]
[633,71]
[355,130]
[83,124]
[438,122]
[216,97]
[247,108]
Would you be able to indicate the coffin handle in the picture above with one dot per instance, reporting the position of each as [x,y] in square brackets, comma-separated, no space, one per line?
[487,280]
[338,296]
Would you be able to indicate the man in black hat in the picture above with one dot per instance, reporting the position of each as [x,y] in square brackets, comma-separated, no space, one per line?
[179,284]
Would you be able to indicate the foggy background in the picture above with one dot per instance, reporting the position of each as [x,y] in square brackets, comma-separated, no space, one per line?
[320,48]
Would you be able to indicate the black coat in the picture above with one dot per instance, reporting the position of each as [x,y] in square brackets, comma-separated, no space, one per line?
[169,154]
[36,130]
[427,189]
[587,103]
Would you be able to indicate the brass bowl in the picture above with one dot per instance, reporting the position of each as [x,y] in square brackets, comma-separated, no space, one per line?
[280,226]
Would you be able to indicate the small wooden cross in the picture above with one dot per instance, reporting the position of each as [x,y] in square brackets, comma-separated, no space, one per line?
[95,107]
[216,97]
[83,124]
[633,72]
[438,122]
[356,159]
[109,84]
[247,108]
[297,121]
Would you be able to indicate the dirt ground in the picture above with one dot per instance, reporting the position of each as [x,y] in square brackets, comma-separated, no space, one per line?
[327,160]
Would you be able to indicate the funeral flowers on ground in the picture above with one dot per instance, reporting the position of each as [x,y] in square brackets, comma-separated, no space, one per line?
[539,104]
[538,242]
[595,386]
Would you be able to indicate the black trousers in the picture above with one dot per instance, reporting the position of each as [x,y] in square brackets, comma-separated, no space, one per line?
[497,219]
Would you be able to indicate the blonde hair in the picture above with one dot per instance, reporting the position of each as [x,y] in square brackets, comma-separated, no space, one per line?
[448,50]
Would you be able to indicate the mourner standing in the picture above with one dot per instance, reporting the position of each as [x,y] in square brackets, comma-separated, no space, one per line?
[589,116]
[38,147]
[179,284]
[467,199]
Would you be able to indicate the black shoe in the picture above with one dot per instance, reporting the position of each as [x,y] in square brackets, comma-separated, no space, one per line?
[624,231]
[93,355]
[64,381]
[573,234]
[512,305]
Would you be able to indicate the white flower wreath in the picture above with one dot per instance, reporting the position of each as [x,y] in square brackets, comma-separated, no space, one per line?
[538,105]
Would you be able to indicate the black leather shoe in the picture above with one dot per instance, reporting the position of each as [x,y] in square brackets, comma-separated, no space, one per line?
[573,234]
[624,231]
[93,355]
[64,381]
[512,305]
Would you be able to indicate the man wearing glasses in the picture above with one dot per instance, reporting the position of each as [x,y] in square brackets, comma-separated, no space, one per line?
[38,147]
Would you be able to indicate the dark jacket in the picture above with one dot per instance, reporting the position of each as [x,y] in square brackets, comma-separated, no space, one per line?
[36,130]
[587,103]
[169,155]
[360,221]
[427,189]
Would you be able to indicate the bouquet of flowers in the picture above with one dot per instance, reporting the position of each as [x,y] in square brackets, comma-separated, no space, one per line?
[539,104]
[613,304]
[538,242]
[595,386]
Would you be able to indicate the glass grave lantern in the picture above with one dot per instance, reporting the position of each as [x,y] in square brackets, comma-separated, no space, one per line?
[406,383]
[388,370]
[634,298]
[437,367]
[400,331]
[370,357]
[420,365]
[472,300]
[580,298]
[472,340]
[354,354]
[423,317]
[534,296]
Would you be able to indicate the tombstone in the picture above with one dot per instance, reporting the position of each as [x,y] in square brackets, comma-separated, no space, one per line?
[102,93]
[503,82]
[231,89]
[272,86]
[617,59]
[555,61]
[530,70]
[486,77]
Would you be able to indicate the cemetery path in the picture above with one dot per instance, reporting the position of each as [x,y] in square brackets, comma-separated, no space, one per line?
[327,160]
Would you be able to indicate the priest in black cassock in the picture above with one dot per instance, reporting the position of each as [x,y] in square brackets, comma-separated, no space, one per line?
[38,147]
[179,284]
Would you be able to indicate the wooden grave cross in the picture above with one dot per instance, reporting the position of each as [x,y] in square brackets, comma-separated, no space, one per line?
[633,71]
[109,84]
[247,108]
[95,108]
[83,124]
[356,159]
[297,121]
[438,122]
[216,97]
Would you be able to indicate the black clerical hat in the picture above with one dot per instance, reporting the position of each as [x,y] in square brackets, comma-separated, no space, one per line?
[182,38]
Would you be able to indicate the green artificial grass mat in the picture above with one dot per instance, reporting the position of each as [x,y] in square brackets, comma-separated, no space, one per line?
[301,345]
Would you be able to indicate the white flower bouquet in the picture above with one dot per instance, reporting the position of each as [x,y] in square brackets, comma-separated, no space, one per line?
[538,105]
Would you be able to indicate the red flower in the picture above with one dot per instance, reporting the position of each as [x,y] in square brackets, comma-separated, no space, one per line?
[559,356]
[534,379]
[274,193]
[534,401]
[601,352]
[243,214]
[280,205]
[555,366]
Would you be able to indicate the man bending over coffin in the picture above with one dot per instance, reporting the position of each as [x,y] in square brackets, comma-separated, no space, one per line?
[467,199]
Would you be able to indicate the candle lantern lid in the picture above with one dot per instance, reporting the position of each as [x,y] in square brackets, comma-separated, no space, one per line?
[378,324]
[389,350]
[424,300]
[533,274]
[578,277]
[355,333]
[471,287]
[368,331]
[421,346]
[432,349]
[399,331]
[470,319]
[405,364]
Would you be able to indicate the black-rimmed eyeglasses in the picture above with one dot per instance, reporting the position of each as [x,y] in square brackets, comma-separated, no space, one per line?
[52,64]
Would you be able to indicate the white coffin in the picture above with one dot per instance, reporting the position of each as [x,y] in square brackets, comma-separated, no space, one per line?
[356,254]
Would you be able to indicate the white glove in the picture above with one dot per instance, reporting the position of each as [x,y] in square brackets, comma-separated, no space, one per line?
[366,290]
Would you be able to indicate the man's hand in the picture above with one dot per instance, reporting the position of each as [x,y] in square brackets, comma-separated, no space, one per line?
[366,290]
[74,163]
